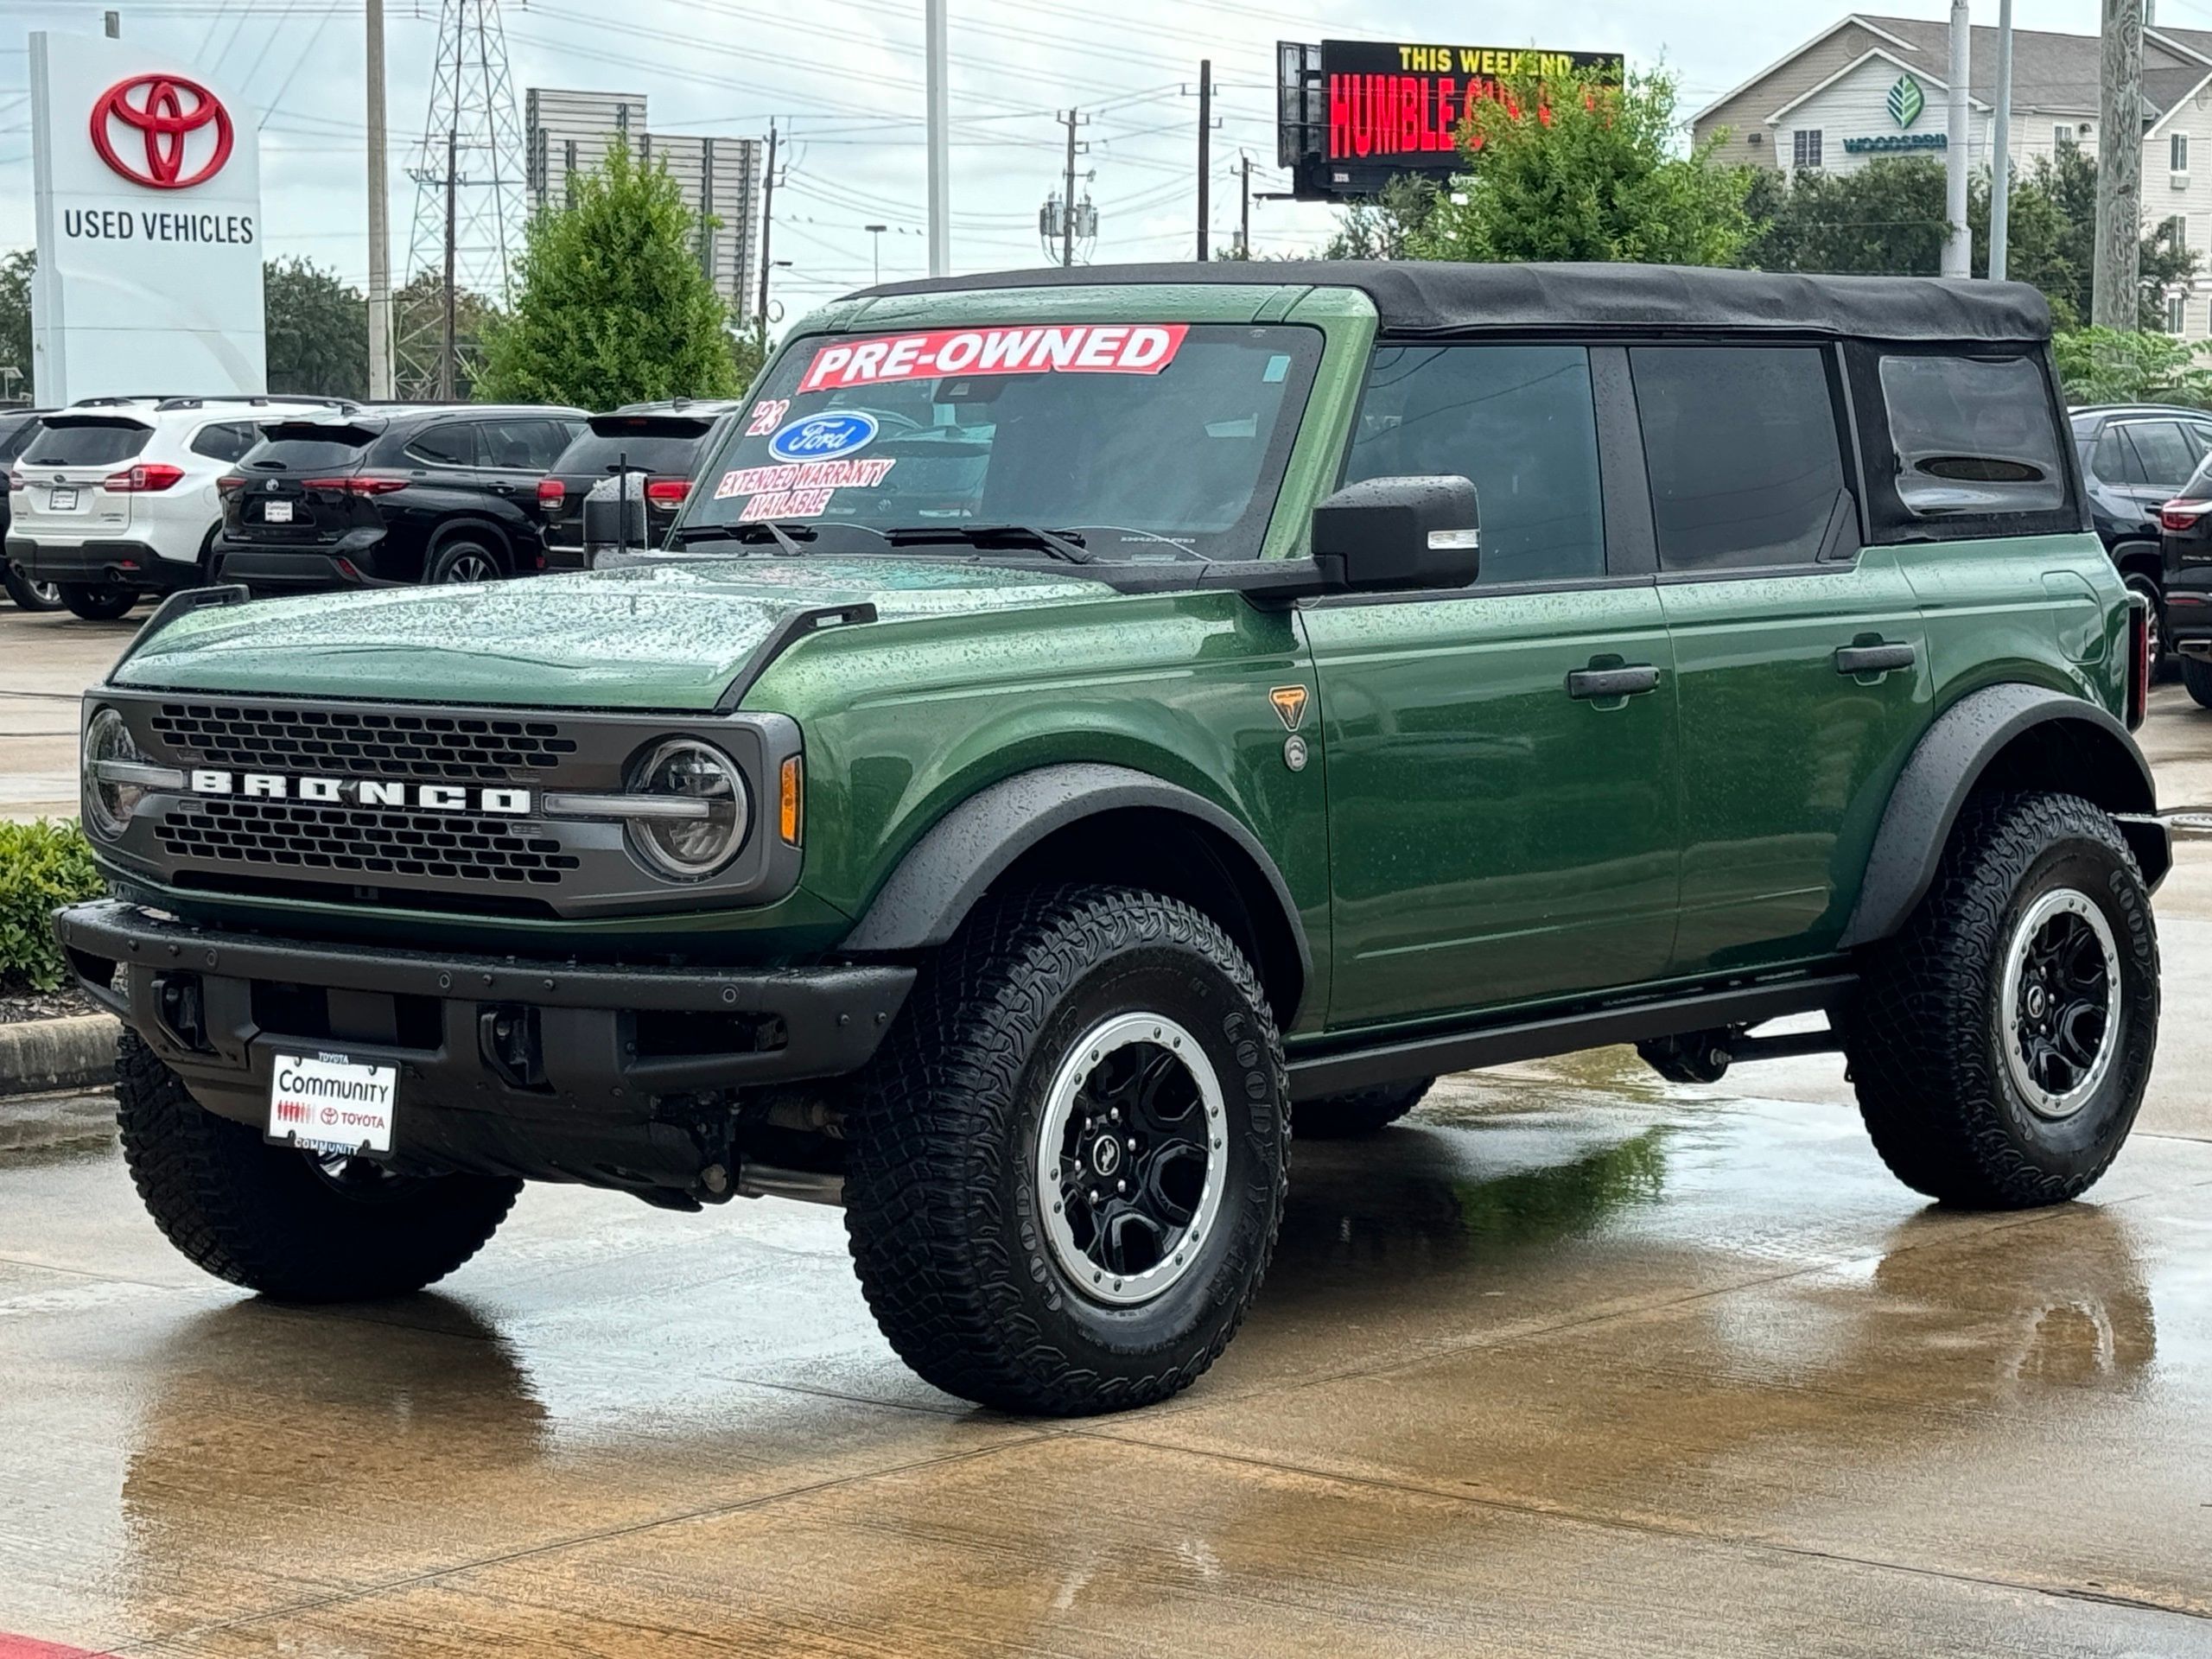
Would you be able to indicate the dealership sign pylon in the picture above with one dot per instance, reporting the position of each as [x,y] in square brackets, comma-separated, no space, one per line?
[146,181]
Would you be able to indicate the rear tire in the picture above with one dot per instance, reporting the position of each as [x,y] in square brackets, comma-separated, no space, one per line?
[31,596]
[1069,1162]
[275,1220]
[97,601]
[1359,1111]
[462,560]
[2001,1042]
[2196,679]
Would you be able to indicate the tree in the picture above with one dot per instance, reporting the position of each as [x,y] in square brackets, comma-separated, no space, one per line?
[318,331]
[1385,227]
[614,306]
[2113,365]
[1573,169]
[15,270]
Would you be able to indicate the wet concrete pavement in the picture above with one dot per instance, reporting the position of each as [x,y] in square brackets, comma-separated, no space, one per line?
[1573,1362]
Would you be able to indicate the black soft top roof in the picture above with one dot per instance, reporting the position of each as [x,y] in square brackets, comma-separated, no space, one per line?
[1425,297]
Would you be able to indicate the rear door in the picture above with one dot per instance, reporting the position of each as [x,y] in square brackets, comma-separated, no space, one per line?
[1802,667]
[1498,832]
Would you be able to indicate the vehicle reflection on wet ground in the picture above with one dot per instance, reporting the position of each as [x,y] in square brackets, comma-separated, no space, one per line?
[1573,1362]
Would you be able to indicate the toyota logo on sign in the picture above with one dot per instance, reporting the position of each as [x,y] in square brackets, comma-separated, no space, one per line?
[163,131]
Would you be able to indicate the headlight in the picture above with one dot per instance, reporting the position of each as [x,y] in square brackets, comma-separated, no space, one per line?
[115,779]
[708,831]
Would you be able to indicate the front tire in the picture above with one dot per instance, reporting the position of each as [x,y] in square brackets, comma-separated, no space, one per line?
[30,595]
[2197,680]
[97,601]
[2001,1042]
[1069,1162]
[275,1220]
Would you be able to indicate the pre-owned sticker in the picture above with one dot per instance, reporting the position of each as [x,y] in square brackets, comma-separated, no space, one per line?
[821,437]
[1086,348]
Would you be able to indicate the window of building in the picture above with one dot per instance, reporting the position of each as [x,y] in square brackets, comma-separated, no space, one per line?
[1518,420]
[1805,148]
[1741,445]
[1973,436]
[2178,152]
[2176,312]
[2062,136]
[2173,231]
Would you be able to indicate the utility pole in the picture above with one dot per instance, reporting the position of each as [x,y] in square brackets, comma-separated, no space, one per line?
[1245,206]
[2118,271]
[1206,149]
[1958,241]
[767,221]
[379,214]
[1067,196]
[939,113]
[446,365]
[875,234]
[2000,150]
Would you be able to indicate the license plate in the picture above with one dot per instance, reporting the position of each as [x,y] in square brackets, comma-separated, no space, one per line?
[325,1102]
[62,500]
[277,513]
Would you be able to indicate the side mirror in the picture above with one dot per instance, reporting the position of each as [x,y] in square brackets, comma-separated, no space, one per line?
[1388,534]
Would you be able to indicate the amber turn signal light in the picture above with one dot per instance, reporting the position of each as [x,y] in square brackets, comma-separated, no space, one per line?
[787,794]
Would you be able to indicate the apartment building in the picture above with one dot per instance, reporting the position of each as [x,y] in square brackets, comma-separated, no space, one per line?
[1869,86]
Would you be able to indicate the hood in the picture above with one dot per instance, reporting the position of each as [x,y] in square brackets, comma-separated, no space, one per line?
[662,635]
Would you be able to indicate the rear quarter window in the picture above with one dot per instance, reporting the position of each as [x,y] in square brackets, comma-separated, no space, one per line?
[1962,444]
[87,443]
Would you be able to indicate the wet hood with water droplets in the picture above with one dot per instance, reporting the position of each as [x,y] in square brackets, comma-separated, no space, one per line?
[661,634]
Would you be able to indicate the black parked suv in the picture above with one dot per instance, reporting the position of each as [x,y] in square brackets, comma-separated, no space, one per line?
[386,497]
[2135,457]
[659,443]
[18,428]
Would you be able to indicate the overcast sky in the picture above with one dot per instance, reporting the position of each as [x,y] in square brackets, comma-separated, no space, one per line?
[844,78]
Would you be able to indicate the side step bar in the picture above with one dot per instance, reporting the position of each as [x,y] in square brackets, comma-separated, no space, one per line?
[1466,1051]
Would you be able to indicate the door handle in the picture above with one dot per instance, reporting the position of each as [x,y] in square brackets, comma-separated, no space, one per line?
[1872,659]
[1629,681]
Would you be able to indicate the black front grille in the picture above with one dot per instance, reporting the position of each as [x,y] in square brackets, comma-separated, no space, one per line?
[438,748]
[362,841]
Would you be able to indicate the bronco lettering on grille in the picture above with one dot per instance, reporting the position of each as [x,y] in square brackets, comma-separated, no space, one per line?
[364,792]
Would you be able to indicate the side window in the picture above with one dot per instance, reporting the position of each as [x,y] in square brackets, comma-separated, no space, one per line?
[228,441]
[2114,461]
[1741,445]
[516,445]
[1519,422]
[2164,452]
[1977,436]
[18,442]
[452,443]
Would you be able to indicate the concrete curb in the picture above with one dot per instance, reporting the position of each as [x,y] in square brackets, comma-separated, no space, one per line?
[29,1122]
[42,1056]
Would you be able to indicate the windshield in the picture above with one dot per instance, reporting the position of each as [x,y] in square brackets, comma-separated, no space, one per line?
[1146,441]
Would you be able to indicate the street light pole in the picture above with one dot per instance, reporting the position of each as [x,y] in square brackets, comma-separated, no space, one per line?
[379,214]
[2000,148]
[939,114]
[876,231]
[1958,245]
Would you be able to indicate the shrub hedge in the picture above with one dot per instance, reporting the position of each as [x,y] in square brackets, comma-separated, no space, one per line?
[43,866]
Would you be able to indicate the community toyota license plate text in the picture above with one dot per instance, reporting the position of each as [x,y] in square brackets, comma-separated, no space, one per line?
[325,1102]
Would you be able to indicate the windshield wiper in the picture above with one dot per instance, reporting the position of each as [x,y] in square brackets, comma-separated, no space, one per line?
[787,535]
[1065,544]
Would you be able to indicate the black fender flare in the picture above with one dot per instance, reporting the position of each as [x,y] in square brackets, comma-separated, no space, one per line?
[958,859]
[1955,753]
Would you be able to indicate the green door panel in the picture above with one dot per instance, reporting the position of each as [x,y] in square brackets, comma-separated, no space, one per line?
[1491,839]
[1787,763]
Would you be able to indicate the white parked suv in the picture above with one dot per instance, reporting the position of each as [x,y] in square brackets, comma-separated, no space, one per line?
[115,497]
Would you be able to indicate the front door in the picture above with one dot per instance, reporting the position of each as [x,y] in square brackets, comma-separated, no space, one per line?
[1802,663]
[1502,815]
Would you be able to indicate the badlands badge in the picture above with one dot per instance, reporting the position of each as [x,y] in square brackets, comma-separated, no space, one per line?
[1290,704]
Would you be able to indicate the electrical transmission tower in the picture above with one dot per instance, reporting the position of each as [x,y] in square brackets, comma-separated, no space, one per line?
[470,198]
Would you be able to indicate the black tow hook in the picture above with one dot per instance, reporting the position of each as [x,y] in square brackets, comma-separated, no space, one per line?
[512,1046]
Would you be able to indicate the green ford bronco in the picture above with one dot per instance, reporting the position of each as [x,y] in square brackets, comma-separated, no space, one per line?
[1077,728]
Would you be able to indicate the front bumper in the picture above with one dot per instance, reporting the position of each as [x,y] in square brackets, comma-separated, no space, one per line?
[132,564]
[547,1070]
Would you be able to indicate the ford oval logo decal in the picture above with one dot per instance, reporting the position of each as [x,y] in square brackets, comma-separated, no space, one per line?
[817,438]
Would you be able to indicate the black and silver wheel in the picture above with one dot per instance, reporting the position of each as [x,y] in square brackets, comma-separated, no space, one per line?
[2001,1042]
[1358,1111]
[1070,1157]
[462,560]
[285,1223]
[97,601]
[28,595]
